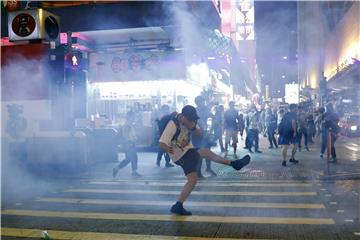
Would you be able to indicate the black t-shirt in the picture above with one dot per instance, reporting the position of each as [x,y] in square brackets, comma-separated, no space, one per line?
[285,127]
[230,120]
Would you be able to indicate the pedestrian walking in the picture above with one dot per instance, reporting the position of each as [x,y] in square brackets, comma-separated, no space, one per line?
[302,128]
[218,126]
[231,125]
[185,155]
[253,130]
[329,128]
[202,141]
[129,139]
[288,134]
[271,125]
[241,125]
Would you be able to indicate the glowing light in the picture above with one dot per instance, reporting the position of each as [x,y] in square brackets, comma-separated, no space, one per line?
[285,57]
[283,76]
[353,128]
[74,61]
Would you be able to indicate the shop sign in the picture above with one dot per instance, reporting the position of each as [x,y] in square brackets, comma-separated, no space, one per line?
[136,66]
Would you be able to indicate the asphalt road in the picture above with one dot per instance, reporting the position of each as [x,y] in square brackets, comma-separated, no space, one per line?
[262,201]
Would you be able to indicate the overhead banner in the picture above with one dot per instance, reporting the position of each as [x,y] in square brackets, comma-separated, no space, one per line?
[136,66]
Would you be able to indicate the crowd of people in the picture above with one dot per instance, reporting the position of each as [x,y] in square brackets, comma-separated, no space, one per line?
[187,137]
[292,125]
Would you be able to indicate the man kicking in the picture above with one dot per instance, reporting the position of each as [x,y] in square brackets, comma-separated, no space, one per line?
[176,141]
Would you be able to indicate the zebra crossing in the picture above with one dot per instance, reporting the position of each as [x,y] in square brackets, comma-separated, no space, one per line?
[139,209]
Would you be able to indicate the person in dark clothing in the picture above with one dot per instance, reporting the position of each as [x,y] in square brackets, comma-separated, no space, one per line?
[231,125]
[218,126]
[201,141]
[253,129]
[329,128]
[165,110]
[130,138]
[271,126]
[288,134]
[311,127]
[241,125]
[302,128]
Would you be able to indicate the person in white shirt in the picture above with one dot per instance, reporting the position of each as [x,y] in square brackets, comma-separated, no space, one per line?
[176,140]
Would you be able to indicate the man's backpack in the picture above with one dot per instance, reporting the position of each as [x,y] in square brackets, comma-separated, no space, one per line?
[162,123]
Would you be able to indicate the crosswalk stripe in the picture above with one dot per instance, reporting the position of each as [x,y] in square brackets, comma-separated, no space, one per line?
[215,193]
[189,203]
[207,180]
[68,235]
[156,217]
[173,184]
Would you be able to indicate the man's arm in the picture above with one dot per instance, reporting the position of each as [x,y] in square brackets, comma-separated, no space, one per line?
[293,122]
[166,137]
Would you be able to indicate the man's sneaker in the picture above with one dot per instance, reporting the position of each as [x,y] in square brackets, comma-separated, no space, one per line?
[158,163]
[321,155]
[250,150]
[294,161]
[168,165]
[284,163]
[271,147]
[209,170]
[178,209]
[333,160]
[240,163]
[135,174]
[307,148]
[258,151]
[115,172]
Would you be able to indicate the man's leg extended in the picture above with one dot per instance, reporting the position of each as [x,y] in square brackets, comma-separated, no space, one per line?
[237,164]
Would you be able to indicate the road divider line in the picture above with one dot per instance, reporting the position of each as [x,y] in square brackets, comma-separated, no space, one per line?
[68,235]
[174,184]
[176,218]
[188,203]
[213,193]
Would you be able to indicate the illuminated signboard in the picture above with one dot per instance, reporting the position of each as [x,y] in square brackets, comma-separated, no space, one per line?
[292,93]
[245,20]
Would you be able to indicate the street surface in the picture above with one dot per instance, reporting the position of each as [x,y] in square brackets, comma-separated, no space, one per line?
[262,201]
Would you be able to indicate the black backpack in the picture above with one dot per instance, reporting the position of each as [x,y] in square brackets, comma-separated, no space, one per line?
[162,123]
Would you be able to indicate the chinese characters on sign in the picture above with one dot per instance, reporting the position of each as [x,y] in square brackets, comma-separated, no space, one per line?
[245,20]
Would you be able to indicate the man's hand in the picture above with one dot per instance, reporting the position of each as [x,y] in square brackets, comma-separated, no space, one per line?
[170,149]
[184,143]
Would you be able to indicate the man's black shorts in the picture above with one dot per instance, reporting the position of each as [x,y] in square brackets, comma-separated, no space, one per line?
[190,161]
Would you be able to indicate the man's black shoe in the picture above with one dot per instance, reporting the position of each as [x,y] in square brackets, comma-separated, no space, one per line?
[250,150]
[178,209]
[271,147]
[168,165]
[294,161]
[158,163]
[307,148]
[258,151]
[240,163]
[284,163]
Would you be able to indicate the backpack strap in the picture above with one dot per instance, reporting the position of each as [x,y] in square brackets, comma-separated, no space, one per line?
[174,118]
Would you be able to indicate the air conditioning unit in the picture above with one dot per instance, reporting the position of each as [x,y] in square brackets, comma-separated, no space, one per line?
[33,24]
